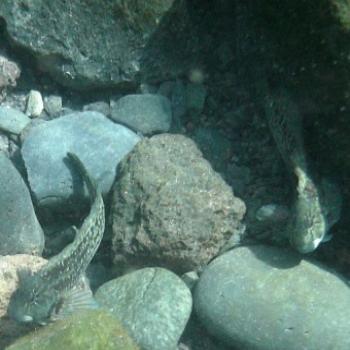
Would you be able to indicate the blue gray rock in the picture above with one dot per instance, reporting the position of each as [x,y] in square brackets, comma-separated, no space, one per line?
[20,231]
[153,304]
[12,120]
[265,298]
[146,113]
[99,142]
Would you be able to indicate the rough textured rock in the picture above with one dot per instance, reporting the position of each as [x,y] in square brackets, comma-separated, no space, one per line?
[102,44]
[170,207]
[146,113]
[10,330]
[92,329]
[9,73]
[153,304]
[262,297]
[100,143]
[12,120]
[20,231]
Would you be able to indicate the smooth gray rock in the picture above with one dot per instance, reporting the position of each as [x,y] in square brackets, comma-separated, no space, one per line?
[153,304]
[99,142]
[170,207]
[147,113]
[265,298]
[12,120]
[20,231]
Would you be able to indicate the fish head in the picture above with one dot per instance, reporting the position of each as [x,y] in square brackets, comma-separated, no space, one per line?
[308,226]
[31,303]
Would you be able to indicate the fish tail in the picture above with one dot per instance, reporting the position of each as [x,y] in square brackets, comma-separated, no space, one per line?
[90,182]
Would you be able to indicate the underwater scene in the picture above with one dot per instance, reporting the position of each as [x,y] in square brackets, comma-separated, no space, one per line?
[174,175]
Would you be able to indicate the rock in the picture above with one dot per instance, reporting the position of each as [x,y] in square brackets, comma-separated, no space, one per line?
[265,298]
[170,207]
[12,120]
[10,330]
[195,97]
[35,104]
[272,213]
[129,39]
[91,329]
[153,304]
[147,113]
[214,145]
[100,143]
[53,105]
[99,106]
[178,100]
[20,231]
[9,73]
[4,144]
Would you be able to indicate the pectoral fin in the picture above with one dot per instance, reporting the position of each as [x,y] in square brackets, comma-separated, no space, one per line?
[78,298]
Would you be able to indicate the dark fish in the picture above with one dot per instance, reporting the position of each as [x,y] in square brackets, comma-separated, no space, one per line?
[59,287]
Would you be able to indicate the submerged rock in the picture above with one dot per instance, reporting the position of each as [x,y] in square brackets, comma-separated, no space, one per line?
[91,329]
[12,120]
[171,207]
[20,231]
[153,304]
[146,113]
[266,298]
[9,265]
[99,142]
[92,44]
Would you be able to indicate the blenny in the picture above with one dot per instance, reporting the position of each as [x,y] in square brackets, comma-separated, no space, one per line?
[318,202]
[59,287]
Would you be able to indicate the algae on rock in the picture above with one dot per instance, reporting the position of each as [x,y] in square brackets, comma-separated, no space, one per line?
[90,329]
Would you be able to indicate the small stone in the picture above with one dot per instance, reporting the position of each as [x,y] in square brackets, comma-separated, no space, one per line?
[53,105]
[146,113]
[272,213]
[99,106]
[35,104]
[190,278]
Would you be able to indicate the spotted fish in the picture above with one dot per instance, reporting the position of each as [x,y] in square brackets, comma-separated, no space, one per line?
[59,287]
[317,204]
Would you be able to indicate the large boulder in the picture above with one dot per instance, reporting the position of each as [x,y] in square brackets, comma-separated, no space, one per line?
[265,298]
[153,304]
[20,231]
[170,207]
[102,43]
[98,142]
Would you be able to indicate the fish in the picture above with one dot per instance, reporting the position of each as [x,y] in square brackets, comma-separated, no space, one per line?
[60,287]
[317,202]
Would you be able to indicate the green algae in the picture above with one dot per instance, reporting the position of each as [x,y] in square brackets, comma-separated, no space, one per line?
[88,330]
